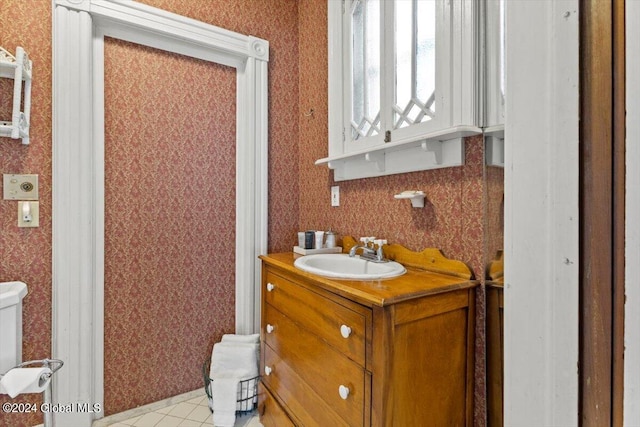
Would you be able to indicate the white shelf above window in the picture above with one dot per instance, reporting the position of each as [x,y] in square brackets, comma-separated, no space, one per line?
[440,149]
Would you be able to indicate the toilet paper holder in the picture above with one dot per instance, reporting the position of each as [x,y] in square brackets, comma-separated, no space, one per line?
[45,363]
[54,365]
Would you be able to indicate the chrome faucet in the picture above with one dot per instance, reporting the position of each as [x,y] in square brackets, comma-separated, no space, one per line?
[368,249]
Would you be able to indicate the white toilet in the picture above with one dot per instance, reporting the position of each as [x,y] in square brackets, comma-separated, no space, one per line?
[17,376]
[11,295]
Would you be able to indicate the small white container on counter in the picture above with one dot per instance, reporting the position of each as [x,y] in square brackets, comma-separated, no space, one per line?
[330,241]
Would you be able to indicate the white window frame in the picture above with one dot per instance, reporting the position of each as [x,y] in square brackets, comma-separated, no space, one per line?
[436,143]
[79,27]
[494,107]
[494,98]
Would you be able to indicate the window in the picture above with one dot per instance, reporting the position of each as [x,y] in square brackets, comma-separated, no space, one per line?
[365,69]
[403,86]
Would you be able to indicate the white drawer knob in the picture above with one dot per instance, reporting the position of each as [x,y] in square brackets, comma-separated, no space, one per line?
[267,370]
[344,391]
[270,287]
[345,331]
[269,328]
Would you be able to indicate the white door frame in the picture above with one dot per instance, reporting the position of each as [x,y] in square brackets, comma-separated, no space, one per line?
[79,27]
[541,214]
[632,223]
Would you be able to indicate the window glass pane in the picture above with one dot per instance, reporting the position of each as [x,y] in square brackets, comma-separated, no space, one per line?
[404,42]
[365,72]
[357,58]
[415,37]
[426,49]
[373,57]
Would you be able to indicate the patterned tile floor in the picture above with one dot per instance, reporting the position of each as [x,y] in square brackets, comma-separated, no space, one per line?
[191,413]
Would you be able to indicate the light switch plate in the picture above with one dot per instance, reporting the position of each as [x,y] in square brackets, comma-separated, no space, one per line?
[335,195]
[34,208]
[20,187]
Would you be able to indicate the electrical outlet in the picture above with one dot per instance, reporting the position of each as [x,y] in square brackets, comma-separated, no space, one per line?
[335,195]
[20,187]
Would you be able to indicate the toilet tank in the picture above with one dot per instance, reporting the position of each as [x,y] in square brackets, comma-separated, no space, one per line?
[11,295]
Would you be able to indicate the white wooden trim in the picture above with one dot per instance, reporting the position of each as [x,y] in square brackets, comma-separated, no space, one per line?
[99,206]
[457,103]
[541,214]
[261,189]
[78,172]
[335,96]
[73,224]
[493,108]
[632,224]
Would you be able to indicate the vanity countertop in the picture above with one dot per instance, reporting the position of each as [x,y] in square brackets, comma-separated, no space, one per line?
[414,283]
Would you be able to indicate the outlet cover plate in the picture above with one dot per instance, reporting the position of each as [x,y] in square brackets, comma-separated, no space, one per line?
[335,195]
[20,187]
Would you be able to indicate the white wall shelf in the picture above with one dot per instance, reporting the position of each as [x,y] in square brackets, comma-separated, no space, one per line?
[437,150]
[17,68]
[415,196]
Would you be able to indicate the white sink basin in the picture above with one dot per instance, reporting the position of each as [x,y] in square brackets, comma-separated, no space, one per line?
[342,266]
[11,293]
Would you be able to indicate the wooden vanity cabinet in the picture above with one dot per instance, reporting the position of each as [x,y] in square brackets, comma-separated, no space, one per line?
[395,352]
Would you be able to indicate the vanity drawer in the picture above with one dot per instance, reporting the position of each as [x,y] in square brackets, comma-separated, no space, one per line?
[317,364]
[341,327]
[271,414]
[302,400]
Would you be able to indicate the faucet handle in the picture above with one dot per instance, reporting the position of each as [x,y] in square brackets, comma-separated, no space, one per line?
[367,240]
[380,242]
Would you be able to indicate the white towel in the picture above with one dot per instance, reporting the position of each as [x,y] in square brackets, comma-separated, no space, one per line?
[236,359]
[231,356]
[250,339]
[246,339]
[224,392]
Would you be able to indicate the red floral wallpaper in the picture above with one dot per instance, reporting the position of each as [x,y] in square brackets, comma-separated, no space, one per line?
[25,253]
[169,218]
[494,218]
[277,22]
[182,306]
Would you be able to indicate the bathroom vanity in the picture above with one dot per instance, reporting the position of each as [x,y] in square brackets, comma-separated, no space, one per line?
[393,352]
